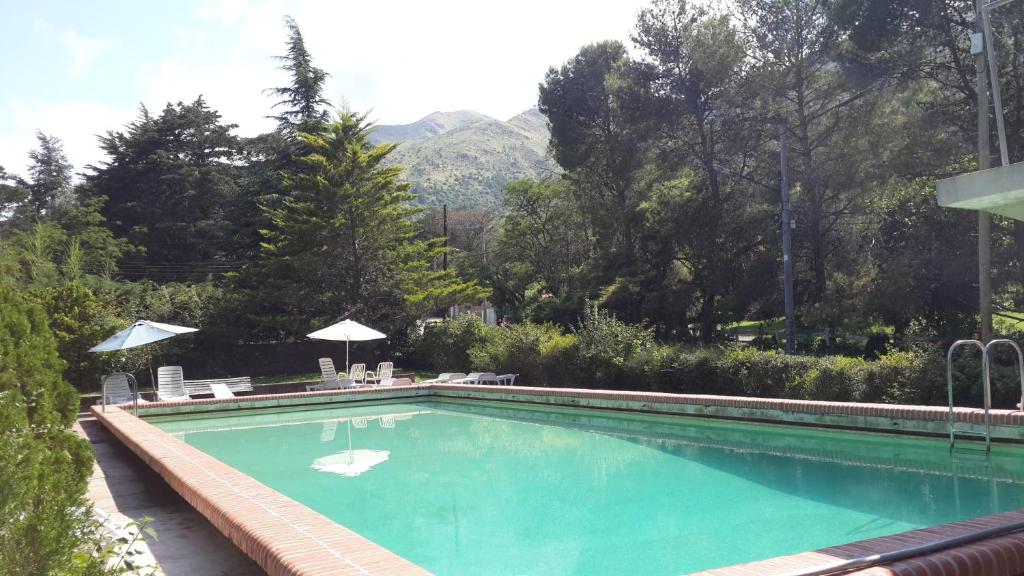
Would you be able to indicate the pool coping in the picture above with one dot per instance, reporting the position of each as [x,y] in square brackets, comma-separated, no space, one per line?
[287,538]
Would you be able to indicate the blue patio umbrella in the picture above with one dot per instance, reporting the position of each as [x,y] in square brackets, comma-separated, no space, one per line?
[139,334]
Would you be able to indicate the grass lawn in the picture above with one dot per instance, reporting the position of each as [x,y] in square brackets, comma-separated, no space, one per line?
[755,327]
[1004,325]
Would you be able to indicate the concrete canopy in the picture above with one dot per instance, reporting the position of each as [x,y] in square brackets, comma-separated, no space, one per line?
[996,190]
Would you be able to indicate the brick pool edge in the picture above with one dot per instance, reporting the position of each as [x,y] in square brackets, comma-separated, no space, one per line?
[287,538]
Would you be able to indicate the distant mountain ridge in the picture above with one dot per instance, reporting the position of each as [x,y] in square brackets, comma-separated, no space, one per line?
[465,158]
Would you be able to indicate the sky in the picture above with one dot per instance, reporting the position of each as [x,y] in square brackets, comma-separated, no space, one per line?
[77,69]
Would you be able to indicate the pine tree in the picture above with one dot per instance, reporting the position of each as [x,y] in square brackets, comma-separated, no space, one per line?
[44,467]
[303,103]
[169,179]
[50,174]
[342,243]
[13,197]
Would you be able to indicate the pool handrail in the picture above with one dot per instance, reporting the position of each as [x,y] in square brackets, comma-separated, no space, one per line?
[985,385]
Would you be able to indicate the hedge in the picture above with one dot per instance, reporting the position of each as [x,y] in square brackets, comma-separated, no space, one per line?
[605,353]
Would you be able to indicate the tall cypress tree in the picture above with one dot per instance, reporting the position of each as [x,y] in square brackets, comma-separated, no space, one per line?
[302,101]
[342,243]
[50,174]
[169,180]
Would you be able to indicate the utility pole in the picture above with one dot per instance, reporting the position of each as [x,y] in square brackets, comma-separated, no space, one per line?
[787,256]
[444,233]
[984,163]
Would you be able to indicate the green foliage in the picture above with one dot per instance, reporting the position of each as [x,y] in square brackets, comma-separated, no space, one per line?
[79,321]
[541,232]
[50,175]
[918,273]
[607,353]
[539,353]
[305,108]
[169,179]
[31,370]
[444,346]
[44,467]
[606,344]
[343,242]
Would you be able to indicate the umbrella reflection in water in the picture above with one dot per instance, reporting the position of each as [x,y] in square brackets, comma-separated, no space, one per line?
[353,462]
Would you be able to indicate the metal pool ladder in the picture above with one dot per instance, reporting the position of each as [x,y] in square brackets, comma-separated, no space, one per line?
[986,382]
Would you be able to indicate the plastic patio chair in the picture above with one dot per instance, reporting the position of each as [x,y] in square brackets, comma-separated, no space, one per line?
[118,388]
[357,374]
[382,375]
[475,378]
[170,384]
[445,377]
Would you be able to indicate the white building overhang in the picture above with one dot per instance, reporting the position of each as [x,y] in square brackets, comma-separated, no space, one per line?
[996,190]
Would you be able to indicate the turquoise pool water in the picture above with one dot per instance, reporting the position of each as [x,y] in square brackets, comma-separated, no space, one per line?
[474,488]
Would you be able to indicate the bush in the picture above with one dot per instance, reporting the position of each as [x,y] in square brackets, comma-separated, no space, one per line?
[444,346]
[903,377]
[78,321]
[605,347]
[539,353]
[44,467]
[607,353]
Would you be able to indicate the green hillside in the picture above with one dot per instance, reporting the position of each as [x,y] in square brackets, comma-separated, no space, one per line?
[465,158]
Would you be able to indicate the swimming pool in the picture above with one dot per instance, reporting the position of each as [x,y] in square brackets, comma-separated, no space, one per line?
[484,488]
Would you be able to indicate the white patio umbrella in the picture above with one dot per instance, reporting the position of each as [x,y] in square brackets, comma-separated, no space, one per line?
[141,333]
[349,331]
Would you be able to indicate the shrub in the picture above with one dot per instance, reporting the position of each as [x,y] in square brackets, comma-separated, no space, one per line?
[607,353]
[605,346]
[444,346]
[834,378]
[44,467]
[534,351]
[766,373]
[78,321]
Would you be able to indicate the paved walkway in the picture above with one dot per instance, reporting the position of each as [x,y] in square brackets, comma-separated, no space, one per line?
[125,488]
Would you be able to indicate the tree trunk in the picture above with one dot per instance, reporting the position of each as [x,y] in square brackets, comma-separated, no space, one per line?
[707,316]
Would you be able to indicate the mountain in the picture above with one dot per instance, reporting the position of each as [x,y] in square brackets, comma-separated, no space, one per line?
[465,158]
[426,127]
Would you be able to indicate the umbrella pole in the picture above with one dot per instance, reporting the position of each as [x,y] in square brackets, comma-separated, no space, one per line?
[351,458]
[347,365]
[152,380]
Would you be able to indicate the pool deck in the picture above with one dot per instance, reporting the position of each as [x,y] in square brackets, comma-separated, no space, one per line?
[287,538]
[126,489]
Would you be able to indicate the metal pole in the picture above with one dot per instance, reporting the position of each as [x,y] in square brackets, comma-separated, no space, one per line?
[787,257]
[444,233]
[444,256]
[993,71]
[984,163]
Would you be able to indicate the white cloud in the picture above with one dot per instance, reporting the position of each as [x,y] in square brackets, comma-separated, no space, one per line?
[85,51]
[399,60]
[76,123]
[406,58]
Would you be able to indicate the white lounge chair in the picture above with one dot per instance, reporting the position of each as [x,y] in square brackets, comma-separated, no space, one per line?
[329,379]
[170,384]
[118,388]
[478,378]
[221,390]
[445,377]
[507,379]
[382,375]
